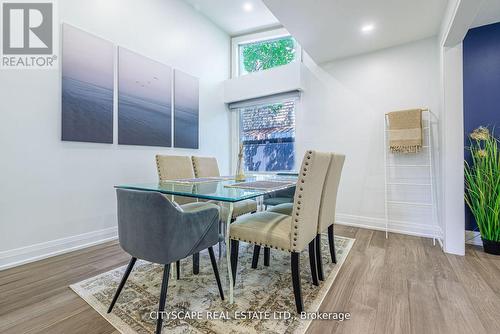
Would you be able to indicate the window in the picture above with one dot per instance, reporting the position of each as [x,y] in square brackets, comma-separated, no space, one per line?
[263,50]
[262,55]
[267,132]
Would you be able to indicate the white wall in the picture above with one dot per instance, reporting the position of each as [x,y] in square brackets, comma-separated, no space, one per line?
[54,194]
[346,115]
[276,80]
[453,150]
[459,17]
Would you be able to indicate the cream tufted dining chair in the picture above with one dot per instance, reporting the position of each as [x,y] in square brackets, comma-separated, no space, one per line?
[208,167]
[171,167]
[327,209]
[288,233]
[205,166]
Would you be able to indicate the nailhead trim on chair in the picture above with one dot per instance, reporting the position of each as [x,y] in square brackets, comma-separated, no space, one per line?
[158,167]
[299,195]
[297,207]
[194,167]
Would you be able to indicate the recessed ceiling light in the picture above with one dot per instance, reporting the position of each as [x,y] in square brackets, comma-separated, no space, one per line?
[367,28]
[248,6]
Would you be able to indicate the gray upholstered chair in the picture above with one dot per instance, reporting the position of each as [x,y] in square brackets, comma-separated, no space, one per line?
[327,209]
[288,233]
[152,228]
[171,167]
[207,167]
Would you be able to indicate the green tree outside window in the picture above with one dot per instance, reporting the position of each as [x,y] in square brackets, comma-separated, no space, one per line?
[266,54]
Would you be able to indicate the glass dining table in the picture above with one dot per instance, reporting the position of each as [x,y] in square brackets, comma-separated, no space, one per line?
[226,191]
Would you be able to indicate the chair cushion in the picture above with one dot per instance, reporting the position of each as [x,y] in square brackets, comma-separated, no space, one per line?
[240,208]
[243,207]
[191,207]
[267,229]
[284,209]
[277,200]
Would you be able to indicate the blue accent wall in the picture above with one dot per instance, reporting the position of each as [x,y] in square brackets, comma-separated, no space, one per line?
[481,71]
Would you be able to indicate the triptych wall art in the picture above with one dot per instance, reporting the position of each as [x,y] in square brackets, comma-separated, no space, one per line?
[144,100]
[156,104]
[87,87]
[186,111]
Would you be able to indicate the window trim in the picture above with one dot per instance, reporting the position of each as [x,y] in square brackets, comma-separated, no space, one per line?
[257,37]
[264,100]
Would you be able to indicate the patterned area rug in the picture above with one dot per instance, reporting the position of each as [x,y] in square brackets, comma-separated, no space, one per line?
[265,289]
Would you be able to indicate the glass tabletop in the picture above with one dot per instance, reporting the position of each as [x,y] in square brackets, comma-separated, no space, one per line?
[225,190]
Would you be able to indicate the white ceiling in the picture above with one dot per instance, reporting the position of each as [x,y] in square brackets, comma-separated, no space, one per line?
[331,29]
[231,16]
[489,12]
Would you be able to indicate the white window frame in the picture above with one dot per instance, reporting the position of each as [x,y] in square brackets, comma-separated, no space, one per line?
[235,140]
[257,37]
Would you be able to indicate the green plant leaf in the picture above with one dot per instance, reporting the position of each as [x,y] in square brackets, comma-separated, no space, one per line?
[482,185]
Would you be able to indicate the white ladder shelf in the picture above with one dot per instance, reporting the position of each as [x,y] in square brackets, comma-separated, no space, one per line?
[388,165]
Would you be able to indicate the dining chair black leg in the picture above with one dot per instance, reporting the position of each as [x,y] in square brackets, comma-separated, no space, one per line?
[267,256]
[196,263]
[221,233]
[312,261]
[163,298]
[319,260]
[256,254]
[297,289]
[122,283]
[216,271]
[331,243]
[234,258]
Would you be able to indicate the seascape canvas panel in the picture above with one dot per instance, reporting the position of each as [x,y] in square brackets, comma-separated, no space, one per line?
[144,101]
[87,87]
[186,110]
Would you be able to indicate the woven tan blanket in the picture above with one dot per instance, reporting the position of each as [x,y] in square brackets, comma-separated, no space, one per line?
[405,131]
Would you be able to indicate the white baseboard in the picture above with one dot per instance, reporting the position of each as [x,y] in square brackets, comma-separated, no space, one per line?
[473,238]
[402,227]
[16,257]
[19,256]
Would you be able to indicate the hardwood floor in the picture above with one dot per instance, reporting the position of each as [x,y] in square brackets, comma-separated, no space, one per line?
[402,284]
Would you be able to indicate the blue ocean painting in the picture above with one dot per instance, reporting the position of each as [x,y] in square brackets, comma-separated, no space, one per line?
[144,101]
[186,111]
[143,122]
[87,87]
[186,127]
[87,112]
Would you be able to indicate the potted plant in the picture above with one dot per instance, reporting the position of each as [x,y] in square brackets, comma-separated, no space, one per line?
[482,187]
